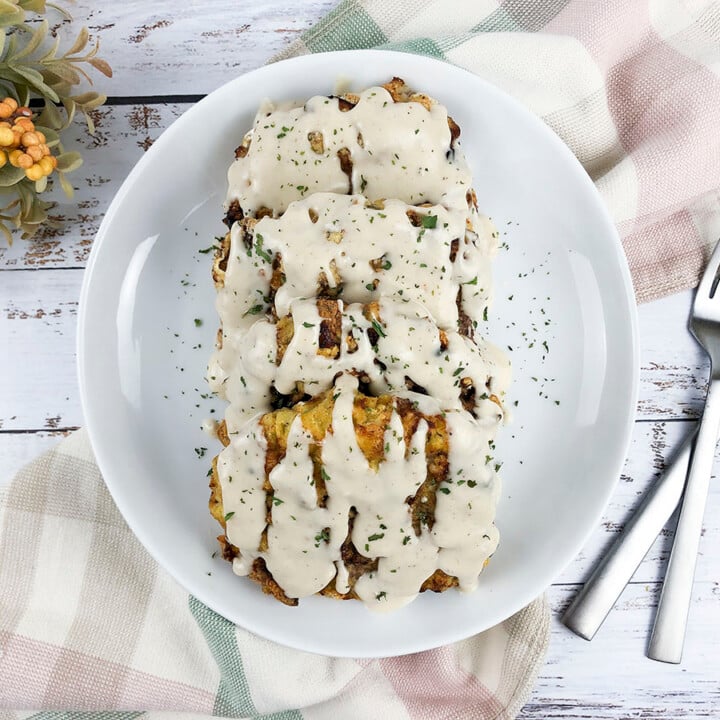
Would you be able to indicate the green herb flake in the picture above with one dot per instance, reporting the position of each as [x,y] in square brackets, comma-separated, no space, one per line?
[378,328]
[259,251]
[429,222]
[254,310]
[323,535]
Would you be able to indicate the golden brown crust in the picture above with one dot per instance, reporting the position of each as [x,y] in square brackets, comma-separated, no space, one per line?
[284,333]
[261,575]
[220,262]
[228,550]
[222,433]
[216,502]
[330,330]
[439,582]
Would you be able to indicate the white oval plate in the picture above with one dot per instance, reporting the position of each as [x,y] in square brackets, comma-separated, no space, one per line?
[564,303]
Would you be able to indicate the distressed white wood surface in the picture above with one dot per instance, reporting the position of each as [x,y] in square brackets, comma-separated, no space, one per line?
[166,48]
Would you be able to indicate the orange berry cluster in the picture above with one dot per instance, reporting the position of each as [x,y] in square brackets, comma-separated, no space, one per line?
[21,144]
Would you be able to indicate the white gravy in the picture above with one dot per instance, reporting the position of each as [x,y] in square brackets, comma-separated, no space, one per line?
[331,232]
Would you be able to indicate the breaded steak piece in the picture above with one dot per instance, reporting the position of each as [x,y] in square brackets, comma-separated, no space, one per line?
[372,142]
[318,535]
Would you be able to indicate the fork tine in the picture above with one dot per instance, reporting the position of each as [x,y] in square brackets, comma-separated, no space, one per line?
[706,288]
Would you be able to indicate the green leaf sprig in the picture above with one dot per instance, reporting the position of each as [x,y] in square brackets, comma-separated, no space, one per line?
[33,71]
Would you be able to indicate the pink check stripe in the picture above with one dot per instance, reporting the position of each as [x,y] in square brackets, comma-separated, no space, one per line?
[27,669]
[432,685]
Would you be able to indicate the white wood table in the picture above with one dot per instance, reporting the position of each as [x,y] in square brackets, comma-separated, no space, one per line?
[165,54]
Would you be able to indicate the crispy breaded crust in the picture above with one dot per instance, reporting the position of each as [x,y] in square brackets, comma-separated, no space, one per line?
[261,575]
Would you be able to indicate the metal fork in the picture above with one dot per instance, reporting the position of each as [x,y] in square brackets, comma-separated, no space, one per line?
[666,642]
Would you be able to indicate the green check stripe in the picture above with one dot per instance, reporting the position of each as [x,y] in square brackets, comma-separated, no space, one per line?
[418,46]
[79,715]
[233,698]
[347,27]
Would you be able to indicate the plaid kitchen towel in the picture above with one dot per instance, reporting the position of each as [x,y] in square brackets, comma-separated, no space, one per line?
[632,86]
[89,622]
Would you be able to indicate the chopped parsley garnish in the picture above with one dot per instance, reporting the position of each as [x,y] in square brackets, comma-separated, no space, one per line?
[259,249]
[323,535]
[229,515]
[429,222]
[444,490]
[378,328]
[382,594]
[277,501]
[308,325]
[376,536]
[254,310]
[198,322]
[324,474]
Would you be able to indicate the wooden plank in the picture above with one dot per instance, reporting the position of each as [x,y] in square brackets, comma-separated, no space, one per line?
[165,48]
[610,677]
[38,383]
[675,370]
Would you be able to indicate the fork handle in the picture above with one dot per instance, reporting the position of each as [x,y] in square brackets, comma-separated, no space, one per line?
[592,604]
[668,635]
